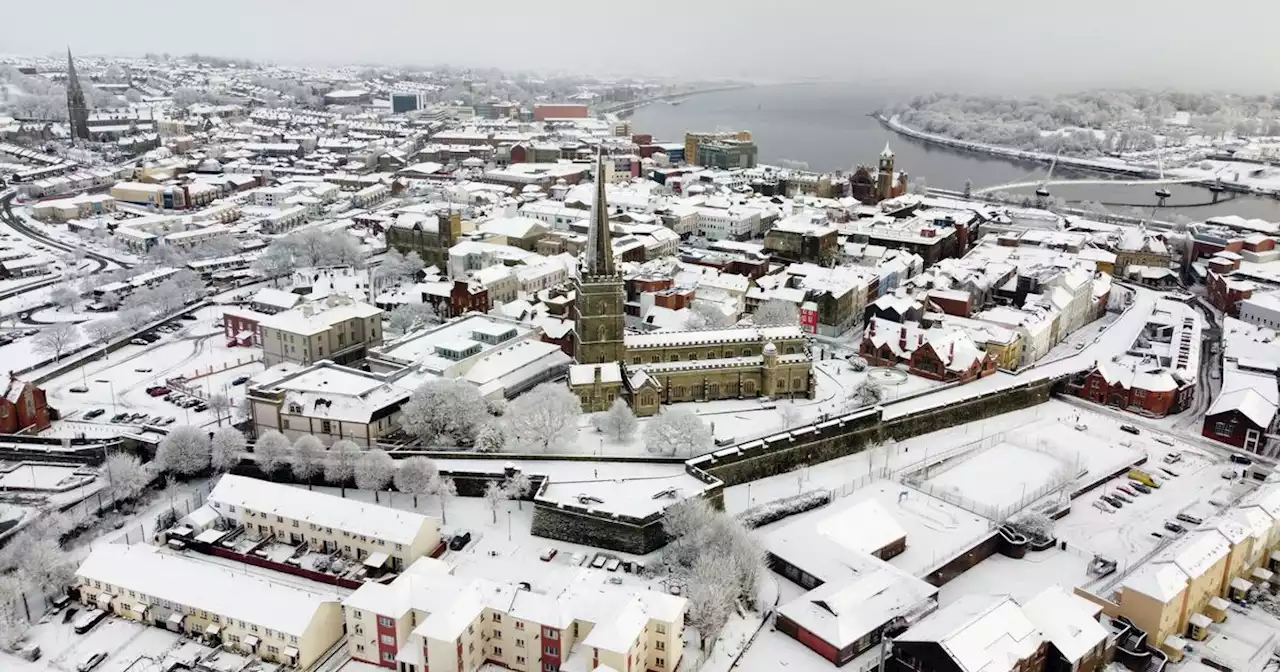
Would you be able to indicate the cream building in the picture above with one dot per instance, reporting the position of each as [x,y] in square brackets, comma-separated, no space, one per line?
[364,532]
[277,622]
[327,401]
[432,619]
[337,329]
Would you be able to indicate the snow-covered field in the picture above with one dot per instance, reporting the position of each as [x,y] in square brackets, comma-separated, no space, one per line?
[1000,478]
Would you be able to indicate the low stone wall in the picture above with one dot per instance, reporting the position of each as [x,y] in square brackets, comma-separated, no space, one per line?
[846,435]
[615,534]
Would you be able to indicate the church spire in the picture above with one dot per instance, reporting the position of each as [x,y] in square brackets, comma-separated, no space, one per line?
[77,111]
[599,258]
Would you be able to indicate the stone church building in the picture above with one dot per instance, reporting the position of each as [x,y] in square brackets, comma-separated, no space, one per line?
[651,369]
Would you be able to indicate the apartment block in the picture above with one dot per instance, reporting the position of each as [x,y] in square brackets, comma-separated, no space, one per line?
[277,622]
[364,532]
[431,618]
[337,329]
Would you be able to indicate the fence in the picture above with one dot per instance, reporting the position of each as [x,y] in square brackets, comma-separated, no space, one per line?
[853,486]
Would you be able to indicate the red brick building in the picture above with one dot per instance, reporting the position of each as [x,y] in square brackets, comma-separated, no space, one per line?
[940,353]
[23,409]
[1131,387]
[545,111]
[1240,418]
[1225,292]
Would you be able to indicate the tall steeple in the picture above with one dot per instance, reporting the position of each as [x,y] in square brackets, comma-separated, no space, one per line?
[77,111]
[599,256]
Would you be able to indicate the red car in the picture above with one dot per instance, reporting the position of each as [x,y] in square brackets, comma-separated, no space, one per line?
[157,391]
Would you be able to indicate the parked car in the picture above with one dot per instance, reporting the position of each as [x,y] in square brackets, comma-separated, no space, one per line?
[1189,518]
[1173,458]
[169,420]
[138,341]
[171,396]
[1229,473]
[240,380]
[142,369]
[119,417]
[30,332]
[158,391]
[548,554]
[1102,506]
[69,614]
[1240,459]
[1122,497]
[1127,490]
[200,407]
[190,318]
[459,541]
[79,389]
[93,413]
[1159,438]
[157,420]
[91,661]
[613,564]
[1112,501]
[1080,426]
[600,560]
[1174,527]
[1130,429]
[1171,473]
[86,620]
[1140,487]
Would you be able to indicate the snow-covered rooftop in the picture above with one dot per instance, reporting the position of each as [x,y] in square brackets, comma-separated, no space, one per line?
[379,522]
[233,594]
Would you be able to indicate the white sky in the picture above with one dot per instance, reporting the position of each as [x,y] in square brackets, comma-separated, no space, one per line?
[953,44]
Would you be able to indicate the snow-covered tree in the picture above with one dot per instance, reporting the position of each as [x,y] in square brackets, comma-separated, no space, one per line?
[618,423]
[111,300]
[444,408]
[374,471]
[54,340]
[776,312]
[919,186]
[414,477]
[968,188]
[543,417]
[517,487]
[225,449]
[789,414]
[308,458]
[710,591]
[707,315]
[444,488]
[187,284]
[184,451]
[866,393]
[341,464]
[270,450]
[63,297]
[494,495]
[219,403]
[43,564]
[677,432]
[13,619]
[1035,524]
[275,262]
[392,266]
[413,265]
[409,316]
[492,438]
[125,476]
[133,318]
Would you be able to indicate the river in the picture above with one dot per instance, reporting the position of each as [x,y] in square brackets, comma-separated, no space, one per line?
[828,127]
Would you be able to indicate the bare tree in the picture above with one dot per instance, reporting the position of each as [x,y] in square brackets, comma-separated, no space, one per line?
[341,464]
[184,451]
[374,471]
[219,403]
[100,331]
[544,416]
[494,495]
[225,449]
[54,340]
[866,393]
[789,414]
[776,312]
[618,423]
[517,487]
[444,408]
[415,476]
[444,488]
[270,450]
[677,432]
[125,475]
[308,454]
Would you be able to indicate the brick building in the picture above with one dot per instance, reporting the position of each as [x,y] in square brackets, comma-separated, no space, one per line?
[23,408]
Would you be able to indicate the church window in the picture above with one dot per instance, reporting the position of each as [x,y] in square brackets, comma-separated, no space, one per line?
[675,356]
[635,360]
[782,384]
[798,384]
[713,390]
[602,307]
[791,350]
[655,359]
[600,333]
[693,356]
[749,387]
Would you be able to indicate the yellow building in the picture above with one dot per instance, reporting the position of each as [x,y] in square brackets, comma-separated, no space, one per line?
[333,524]
[430,619]
[275,621]
[693,140]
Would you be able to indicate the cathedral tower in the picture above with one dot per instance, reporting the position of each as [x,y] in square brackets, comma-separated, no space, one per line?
[77,112]
[884,179]
[597,313]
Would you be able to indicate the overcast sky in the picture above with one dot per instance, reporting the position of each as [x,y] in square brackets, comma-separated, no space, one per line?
[951,44]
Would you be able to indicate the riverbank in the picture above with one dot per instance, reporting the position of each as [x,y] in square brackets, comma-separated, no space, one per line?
[1256,182]
[627,108]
